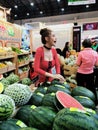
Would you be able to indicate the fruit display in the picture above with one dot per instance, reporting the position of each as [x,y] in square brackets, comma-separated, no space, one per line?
[46,107]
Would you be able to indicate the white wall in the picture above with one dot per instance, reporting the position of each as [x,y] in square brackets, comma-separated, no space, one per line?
[63,33]
[62,27]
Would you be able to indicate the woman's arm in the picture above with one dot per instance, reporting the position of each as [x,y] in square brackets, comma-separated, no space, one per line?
[37,61]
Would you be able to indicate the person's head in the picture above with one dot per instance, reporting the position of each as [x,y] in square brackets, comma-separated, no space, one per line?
[67,44]
[59,51]
[87,43]
[47,36]
[94,42]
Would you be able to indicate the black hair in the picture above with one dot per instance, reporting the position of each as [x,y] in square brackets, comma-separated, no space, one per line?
[87,43]
[59,51]
[44,33]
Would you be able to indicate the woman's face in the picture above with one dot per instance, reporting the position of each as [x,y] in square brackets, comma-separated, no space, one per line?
[51,40]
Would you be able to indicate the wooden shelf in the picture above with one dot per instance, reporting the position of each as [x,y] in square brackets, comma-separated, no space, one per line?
[16,65]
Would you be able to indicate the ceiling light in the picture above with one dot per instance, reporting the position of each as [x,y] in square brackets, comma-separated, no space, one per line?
[87,6]
[58,0]
[62,9]
[41,12]
[28,14]
[31,4]
[15,15]
[16,6]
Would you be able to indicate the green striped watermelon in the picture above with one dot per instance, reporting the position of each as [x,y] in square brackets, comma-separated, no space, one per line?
[42,117]
[82,91]
[85,101]
[12,124]
[74,119]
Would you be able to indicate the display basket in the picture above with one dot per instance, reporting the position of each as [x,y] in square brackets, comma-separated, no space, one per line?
[69,70]
[11,67]
[3,70]
[23,75]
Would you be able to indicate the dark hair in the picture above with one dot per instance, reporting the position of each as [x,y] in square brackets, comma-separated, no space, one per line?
[65,49]
[59,51]
[44,33]
[87,43]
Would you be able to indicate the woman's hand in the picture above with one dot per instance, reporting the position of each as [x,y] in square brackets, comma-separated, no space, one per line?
[59,77]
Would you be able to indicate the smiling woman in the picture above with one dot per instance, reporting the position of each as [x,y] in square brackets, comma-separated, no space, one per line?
[46,62]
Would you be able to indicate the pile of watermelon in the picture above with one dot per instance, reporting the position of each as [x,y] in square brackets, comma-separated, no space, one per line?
[52,106]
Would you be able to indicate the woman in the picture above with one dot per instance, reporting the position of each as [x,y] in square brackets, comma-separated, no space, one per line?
[46,62]
[86,61]
[65,51]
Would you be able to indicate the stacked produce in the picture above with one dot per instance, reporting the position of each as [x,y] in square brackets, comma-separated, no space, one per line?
[6,51]
[41,109]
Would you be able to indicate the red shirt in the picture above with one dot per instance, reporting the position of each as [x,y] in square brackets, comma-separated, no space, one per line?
[41,65]
[87,59]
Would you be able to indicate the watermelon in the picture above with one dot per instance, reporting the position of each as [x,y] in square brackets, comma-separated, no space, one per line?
[82,91]
[55,81]
[41,89]
[12,124]
[28,128]
[42,117]
[56,87]
[24,113]
[7,106]
[36,99]
[68,101]
[85,101]
[65,84]
[74,119]
[49,100]
[1,87]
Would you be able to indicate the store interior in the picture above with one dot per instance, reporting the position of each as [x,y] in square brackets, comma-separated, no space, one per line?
[25,104]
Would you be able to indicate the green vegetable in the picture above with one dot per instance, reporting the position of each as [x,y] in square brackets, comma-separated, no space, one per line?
[26,81]
[13,78]
[5,82]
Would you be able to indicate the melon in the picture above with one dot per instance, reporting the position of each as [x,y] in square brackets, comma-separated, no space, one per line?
[68,101]
[1,87]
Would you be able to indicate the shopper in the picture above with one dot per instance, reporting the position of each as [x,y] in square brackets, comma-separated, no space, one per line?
[61,61]
[31,74]
[95,47]
[65,50]
[87,59]
[46,62]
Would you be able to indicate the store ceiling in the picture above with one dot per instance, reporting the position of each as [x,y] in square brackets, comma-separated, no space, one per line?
[43,8]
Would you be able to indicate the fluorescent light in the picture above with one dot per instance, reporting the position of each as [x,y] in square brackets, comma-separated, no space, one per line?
[28,14]
[31,4]
[41,12]
[87,6]
[16,6]
[15,15]
[62,9]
